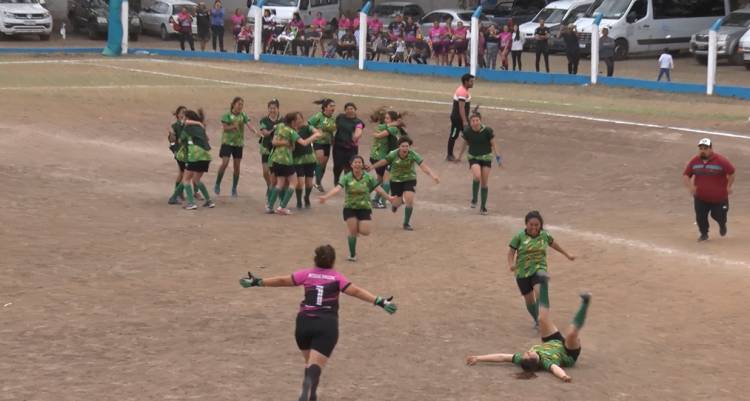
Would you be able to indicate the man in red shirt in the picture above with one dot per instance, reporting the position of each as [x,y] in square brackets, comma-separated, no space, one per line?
[709,177]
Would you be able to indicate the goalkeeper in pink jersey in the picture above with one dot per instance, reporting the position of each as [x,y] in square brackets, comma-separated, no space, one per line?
[317,328]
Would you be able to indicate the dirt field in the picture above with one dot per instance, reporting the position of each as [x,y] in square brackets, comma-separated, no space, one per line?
[111,294]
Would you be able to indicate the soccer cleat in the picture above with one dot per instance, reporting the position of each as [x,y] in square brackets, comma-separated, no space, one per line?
[408,227]
[269,210]
[703,237]
[483,211]
[173,201]
[380,204]
[283,211]
[352,258]
[723,229]
[450,158]
[191,206]
[319,187]
[585,297]
[217,189]
[209,204]
[235,194]
[473,205]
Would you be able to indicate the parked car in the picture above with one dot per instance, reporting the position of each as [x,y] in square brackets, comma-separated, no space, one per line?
[159,17]
[386,11]
[92,17]
[517,11]
[733,26]
[455,14]
[745,49]
[554,14]
[307,9]
[20,17]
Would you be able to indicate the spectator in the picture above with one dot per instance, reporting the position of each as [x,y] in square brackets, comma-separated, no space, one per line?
[396,28]
[203,20]
[445,38]
[516,47]
[541,35]
[217,25]
[238,21]
[481,46]
[411,31]
[666,64]
[379,45]
[460,41]
[244,38]
[185,23]
[269,29]
[421,52]
[570,37]
[435,37]
[493,46]
[318,26]
[506,39]
[607,51]
[345,24]
[347,45]
[299,39]
[399,56]
[374,25]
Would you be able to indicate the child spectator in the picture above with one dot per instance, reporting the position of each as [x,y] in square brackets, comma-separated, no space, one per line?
[244,38]
[666,64]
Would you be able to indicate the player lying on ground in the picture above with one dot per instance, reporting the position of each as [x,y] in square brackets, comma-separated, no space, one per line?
[556,351]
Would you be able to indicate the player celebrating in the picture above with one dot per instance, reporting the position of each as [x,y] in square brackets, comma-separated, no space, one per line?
[556,351]
[304,163]
[326,124]
[178,150]
[481,142]
[267,126]
[527,257]
[232,143]
[198,157]
[357,186]
[386,133]
[404,176]
[317,327]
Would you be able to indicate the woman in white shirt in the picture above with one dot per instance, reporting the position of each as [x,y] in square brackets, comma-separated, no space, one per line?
[516,47]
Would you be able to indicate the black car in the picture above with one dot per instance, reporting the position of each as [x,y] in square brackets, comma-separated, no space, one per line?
[519,11]
[92,16]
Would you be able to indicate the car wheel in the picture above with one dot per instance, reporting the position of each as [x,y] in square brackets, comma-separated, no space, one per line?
[621,49]
[44,38]
[163,33]
[92,31]
[702,60]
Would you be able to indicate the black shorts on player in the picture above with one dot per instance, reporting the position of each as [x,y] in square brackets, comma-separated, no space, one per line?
[229,150]
[282,170]
[325,147]
[398,188]
[574,353]
[319,333]
[380,170]
[359,214]
[526,284]
[181,165]
[305,170]
[481,163]
[264,159]
[198,167]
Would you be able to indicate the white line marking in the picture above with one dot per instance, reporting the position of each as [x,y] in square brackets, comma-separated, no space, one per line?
[99,87]
[58,61]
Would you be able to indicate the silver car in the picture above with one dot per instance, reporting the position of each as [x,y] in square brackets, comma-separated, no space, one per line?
[733,26]
[386,11]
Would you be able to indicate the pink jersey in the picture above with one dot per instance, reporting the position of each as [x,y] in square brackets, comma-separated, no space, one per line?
[322,288]
[436,33]
[345,23]
[505,39]
[237,21]
[460,33]
[319,23]
[375,25]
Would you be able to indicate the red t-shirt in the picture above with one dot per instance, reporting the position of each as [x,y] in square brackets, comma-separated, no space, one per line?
[710,177]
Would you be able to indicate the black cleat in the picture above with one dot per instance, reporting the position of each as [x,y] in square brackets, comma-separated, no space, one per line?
[585,297]
[408,227]
[450,158]
[703,237]
[723,230]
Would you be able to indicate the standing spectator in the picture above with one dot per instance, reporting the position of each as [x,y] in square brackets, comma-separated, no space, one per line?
[318,26]
[493,46]
[516,47]
[374,25]
[541,35]
[709,177]
[481,46]
[217,25]
[411,31]
[299,39]
[347,45]
[505,43]
[244,39]
[345,24]
[435,39]
[570,37]
[607,51]
[203,20]
[269,28]
[666,64]
[460,44]
[396,28]
[460,112]
[238,21]
[185,23]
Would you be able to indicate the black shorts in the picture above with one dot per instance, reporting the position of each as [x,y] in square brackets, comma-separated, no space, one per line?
[325,147]
[380,171]
[557,336]
[305,170]
[343,156]
[398,188]
[181,165]
[318,333]
[282,170]
[359,214]
[526,284]
[200,166]
[229,150]
[481,163]
[264,159]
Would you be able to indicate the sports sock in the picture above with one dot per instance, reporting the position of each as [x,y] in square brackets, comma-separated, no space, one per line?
[318,173]
[474,191]
[407,214]
[177,191]
[533,310]
[313,372]
[485,190]
[268,193]
[352,245]
[189,191]
[287,195]
[580,316]
[387,187]
[306,382]
[235,181]
[204,191]
[298,192]
[544,295]
[219,177]
[308,190]
[272,196]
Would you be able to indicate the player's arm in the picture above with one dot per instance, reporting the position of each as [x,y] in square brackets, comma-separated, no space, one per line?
[496,152]
[357,134]
[461,150]
[306,142]
[560,373]
[462,112]
[379,164]
[554,245]
[730,182]
[385,195]
[171,135]
[276,141]
[331,193]
[381,134]
[511,259]
[364,295]
[280,281]
[427,170]
[474,359]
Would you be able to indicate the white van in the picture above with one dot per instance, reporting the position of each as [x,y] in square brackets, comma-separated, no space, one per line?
[640,26]
[553,14]
[285,9]
[19,17]
[745,49]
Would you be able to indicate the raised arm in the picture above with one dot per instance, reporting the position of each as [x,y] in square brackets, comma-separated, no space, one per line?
[427,170]
[280,281]
[560,373]
[364,295]
[558,248]
[474,359]
[331,193]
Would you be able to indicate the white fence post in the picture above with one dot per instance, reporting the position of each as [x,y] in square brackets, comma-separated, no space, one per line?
[258,30]
[712,48]
[363,34]
[475,40]
[125,17]
[595,48]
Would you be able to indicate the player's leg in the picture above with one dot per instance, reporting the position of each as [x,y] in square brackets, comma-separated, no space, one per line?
[409,209]
[323,343]
[572,340]
[476,175]
[320,169]
[308,184]
[352,229]
[299,185]
[187,183]
[397,190]
[546,326]
[224,154]
[291,180]
[526,286]
[178,186]
[364,227]
[484,183]
[237,162]
[202,188]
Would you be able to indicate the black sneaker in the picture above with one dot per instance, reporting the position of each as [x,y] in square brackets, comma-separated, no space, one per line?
[450,158]
[703,237]
[483,211]
[585,297]
[408,227]
[723,230]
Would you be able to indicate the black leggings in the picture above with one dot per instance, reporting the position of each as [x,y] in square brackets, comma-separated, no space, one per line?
[217,32]
[456,129]
[341,159]
[187,36]
[542,50]
[516,56]
[573,59]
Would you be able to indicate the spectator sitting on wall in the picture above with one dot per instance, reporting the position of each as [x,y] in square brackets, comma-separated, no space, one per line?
[244,38]
[347,45]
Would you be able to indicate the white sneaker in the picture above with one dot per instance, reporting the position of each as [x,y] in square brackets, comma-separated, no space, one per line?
[352,258]
[283,211]
[191,206]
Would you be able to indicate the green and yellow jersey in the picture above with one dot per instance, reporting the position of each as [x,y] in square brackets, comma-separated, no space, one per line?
[358,190]
[404,169]
[198,148]
[550,353]
[283,154]
[304,154]
[234,137]
[531,252]
[480,142]
[265,142]
[326,125]
[381,146]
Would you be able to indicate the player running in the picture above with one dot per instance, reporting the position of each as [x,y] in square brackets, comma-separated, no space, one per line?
[404,176]
[481,142]
[386,133]
[179,151]
[265,137]
[357,186]
[326,124]
[556,351]
[198,157]
[317,327]
[232,143]
[527,257]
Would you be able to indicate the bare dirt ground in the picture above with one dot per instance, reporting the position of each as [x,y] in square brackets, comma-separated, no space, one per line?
[110,294]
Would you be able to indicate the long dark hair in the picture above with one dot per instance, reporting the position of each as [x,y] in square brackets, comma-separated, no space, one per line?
[517,32]
[290,117]
[235,101]
[325,102]
[179,109]
[195,115]
[534,214]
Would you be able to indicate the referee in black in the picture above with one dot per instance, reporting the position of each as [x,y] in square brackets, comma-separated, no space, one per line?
[460,112]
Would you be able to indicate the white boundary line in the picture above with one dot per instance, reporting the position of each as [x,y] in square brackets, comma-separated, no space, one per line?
[100,87]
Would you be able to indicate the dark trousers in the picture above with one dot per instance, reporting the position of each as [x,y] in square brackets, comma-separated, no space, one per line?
[187,36]
[664,72]
[457,128]
[341,159]
[516,56]
[718,212]
[217,33]
[573,59]
[243,46]
[542,50]
[610,62]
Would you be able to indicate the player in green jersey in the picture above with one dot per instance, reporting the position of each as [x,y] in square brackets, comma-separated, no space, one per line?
[178,151]
[527,257]
[232,142]
[557,351]
[198,157]
[284,141]
[357,186]
[480,140]
[325,122]
[304,163]
[386,134]
[265,137]
[404,176]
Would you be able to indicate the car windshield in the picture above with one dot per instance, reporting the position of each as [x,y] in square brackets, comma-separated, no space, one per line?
[610,9]
[737,19]
[282,3]
[550,15]
[19,1]
[465,16]
[571,18]
[178,8]
[386,10]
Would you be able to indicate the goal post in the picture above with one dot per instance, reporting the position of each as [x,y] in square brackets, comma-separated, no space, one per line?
[117,28]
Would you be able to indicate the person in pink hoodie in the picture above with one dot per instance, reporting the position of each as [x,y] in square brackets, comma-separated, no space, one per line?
[506,38]
[460,41]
